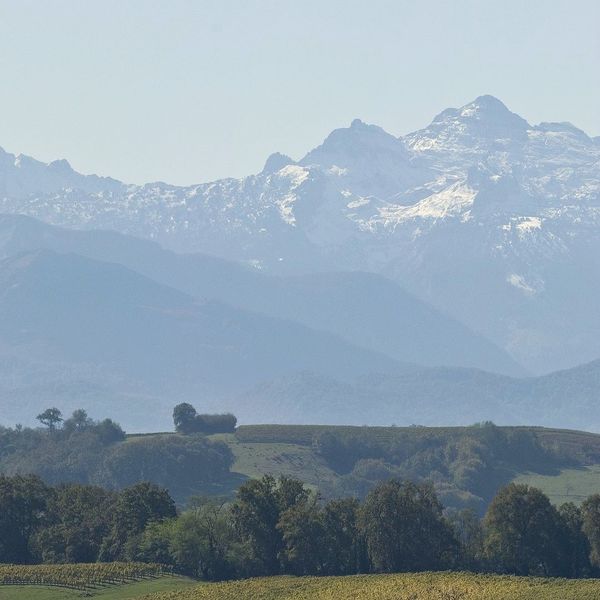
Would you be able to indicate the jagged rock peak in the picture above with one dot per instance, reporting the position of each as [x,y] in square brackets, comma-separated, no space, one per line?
[276,162]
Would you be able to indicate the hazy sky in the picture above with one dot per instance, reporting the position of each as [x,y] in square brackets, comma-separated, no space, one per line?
[188,91]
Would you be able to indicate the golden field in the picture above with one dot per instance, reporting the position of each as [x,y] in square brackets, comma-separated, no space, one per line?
[417,586]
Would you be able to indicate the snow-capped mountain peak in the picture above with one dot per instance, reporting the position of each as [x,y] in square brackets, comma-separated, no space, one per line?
[475,129]
[489,218]
[22,176]
[373,161]
[485,112]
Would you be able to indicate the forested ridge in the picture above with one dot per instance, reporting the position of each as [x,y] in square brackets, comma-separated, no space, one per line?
[207,454]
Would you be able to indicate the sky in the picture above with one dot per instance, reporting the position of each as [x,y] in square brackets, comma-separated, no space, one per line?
[190,91]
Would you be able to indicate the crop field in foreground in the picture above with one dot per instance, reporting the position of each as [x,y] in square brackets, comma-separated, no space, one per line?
[80,576]
[418,586]
[109,581]
[125,591]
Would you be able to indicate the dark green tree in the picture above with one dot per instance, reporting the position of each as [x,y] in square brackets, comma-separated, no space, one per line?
[404,528]
[184,418]
[79,518]
[344,545]
[468,531]
[156,545]
[257,511]
[78,421]
[51,417]
[135,508]
[108,432]
[575,544]
[304,540]
[590,510]
[23,512]
[178,463]
[201,542]
[225,423]
[523,532]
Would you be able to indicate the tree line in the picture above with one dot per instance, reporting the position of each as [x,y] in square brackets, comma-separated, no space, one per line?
[280,527]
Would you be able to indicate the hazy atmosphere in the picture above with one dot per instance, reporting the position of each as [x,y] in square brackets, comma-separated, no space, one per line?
[299,300]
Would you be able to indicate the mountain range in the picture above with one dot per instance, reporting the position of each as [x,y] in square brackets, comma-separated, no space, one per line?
[432,276]
[119,324]
[490,219]
[123,316]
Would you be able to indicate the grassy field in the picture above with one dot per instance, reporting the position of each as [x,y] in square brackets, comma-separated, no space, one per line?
[420,586]
[304,434]
[569,485]
[286,450]
[127,591]
[254,459]
[575,443]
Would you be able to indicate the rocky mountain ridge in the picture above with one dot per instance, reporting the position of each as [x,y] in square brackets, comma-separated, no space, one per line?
[488,218]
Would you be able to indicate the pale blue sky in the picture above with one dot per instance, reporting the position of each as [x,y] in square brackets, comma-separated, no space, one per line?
[184,91]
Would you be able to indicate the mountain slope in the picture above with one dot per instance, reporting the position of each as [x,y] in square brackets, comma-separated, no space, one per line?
[63,311]
[365,309]
[488,218]
[78,332]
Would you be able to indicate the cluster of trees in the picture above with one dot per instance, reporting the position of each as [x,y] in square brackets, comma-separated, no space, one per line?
[187,420]
[467,465]
[279,526]
[73,522]
[80,450]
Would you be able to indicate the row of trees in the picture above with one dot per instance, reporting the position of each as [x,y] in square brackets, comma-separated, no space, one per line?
[279,526]
[185,418]
[107,430]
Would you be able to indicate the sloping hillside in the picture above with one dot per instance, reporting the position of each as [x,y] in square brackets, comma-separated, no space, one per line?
[365,309]
[63,311]
[467,464]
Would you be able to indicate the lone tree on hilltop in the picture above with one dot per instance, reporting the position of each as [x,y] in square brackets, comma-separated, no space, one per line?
[51,417]
[184,417]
